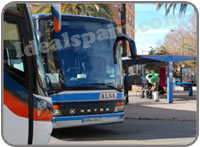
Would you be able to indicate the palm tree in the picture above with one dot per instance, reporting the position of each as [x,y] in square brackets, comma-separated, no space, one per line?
[80,9]
[96,10]
[44,8]
[104,11]
[170,6]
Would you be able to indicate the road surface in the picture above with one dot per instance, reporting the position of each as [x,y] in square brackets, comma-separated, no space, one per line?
[135,132]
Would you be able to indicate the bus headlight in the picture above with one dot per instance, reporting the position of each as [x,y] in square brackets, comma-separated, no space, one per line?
[119,107]
[56,110]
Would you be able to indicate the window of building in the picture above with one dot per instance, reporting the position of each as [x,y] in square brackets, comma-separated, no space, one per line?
[119,15]
[127,16]
[119,30]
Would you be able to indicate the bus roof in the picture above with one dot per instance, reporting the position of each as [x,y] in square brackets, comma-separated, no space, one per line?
[74,17]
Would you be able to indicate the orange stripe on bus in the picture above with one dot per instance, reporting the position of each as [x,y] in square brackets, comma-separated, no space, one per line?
[16,105]
[42,115]
[20,108]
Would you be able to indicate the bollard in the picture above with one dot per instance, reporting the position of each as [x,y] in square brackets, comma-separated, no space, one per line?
[190,90]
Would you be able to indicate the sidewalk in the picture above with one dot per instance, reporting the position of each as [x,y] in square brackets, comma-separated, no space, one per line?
[183,108]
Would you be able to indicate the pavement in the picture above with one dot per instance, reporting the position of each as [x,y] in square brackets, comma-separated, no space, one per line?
[183,108]
[131,132]
[147,123]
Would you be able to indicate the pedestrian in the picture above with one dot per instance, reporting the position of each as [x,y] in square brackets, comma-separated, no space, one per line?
[126,85]
[156,88]
[146,93]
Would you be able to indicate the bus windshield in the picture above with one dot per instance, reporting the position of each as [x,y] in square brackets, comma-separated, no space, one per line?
[80,55]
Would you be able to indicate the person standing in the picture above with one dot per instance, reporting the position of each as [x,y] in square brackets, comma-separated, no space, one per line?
[126,85]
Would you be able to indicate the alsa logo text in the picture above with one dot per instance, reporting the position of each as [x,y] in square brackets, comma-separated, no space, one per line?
[108,96]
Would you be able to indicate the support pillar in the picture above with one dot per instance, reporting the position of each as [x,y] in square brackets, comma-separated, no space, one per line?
[170,83]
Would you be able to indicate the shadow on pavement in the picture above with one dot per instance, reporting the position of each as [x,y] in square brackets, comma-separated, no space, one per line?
[136,111]
[162,124]
[129,130]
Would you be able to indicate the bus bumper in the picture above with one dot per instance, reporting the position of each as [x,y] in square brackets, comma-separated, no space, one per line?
[85,120]
[42,132]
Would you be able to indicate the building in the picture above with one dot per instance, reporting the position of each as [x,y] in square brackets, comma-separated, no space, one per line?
[130,20]
[117,16]
[127,12]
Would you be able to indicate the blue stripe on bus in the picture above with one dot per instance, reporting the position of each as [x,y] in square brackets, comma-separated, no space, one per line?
[15,88]
[71,118]
[79,97]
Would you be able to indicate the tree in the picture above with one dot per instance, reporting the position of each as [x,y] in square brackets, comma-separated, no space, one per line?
[96,10]
[170,6]
[183,40]
[104,11]
[154,67]
[152,51]
[161,50]
[44,8]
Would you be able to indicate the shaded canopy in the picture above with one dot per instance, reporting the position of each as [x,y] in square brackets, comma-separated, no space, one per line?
[127,61]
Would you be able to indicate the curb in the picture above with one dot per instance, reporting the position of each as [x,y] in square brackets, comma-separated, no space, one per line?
[163,119]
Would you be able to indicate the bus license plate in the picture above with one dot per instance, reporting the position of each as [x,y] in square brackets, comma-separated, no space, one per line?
[92,120]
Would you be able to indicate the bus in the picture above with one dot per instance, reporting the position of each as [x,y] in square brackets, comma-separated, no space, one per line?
[27,108]
[83,68]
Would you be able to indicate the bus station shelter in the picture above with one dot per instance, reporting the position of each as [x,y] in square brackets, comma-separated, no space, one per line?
[144,59]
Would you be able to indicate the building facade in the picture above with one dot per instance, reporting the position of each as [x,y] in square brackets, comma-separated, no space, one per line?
[127,12]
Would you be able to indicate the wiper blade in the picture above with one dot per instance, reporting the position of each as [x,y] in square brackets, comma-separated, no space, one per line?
[68,88]
[104,84]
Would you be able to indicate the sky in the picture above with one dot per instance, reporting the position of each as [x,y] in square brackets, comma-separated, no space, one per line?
[151,25]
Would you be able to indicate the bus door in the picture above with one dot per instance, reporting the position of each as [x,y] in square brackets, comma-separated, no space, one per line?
[26,113]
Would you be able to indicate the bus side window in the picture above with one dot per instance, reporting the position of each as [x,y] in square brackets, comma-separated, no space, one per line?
[13,59]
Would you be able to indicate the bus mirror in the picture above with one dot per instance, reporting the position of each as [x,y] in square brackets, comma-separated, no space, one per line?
[56,15]
[132,46]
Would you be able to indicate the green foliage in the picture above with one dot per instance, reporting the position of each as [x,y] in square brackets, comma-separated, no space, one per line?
[170,6]
[154,67]
[152,51]
[161,50]
[96,10]
[44,8]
